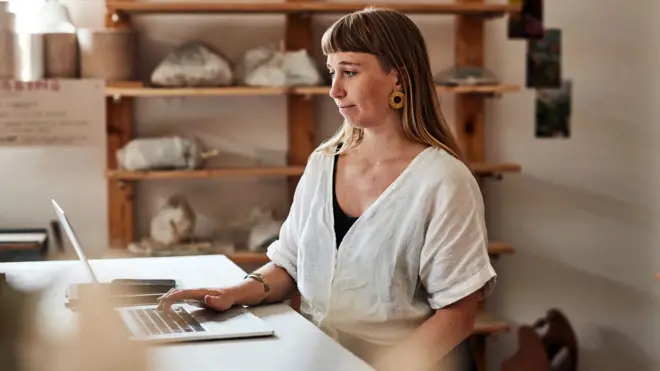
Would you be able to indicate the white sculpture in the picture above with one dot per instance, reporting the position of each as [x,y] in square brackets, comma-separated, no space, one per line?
[267,66]
[193,64]
[174,223]
[54,17]
[172,232]
[162,153]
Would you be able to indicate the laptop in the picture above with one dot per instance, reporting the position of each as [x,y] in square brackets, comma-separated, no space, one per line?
[185,322]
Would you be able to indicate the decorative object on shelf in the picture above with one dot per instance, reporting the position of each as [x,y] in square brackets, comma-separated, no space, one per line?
[60,40]
[174,223]
[163,153]
[544,61]
[193,64]
[54,17]
[268,66]
[465,76]
[172,232]
[29,60]
[107,54]
[61,54]
[44,43]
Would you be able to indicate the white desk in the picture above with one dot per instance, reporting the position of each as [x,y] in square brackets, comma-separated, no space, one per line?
[297,344]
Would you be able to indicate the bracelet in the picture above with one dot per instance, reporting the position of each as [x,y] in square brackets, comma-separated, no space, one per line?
[260,277]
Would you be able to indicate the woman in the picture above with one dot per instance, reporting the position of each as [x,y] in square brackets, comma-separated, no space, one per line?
[385,239]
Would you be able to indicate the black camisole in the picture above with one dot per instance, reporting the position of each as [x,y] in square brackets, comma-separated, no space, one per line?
[342,221]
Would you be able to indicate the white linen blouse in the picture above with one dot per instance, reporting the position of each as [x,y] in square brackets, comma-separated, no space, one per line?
[420,246]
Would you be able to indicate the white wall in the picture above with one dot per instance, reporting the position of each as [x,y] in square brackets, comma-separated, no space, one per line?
[71,174]
[581,214]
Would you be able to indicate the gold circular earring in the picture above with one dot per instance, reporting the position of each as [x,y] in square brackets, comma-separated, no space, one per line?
[397,99]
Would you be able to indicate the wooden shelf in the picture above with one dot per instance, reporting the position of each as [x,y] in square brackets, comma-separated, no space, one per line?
[205,174]
[478,168]
[485,168]
[483,89]
[139,91]
[500,248]
[479,89]
[487,324]
[136,89]
[201,7]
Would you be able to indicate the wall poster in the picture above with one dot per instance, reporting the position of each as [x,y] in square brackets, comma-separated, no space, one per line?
[553,111]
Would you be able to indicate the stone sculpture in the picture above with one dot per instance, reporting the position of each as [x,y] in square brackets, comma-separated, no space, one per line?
[164,153]
[193,64]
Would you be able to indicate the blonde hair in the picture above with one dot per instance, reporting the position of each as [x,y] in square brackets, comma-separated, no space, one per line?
[397,43]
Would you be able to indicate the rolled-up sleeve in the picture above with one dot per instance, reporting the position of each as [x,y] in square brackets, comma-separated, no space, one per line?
[284,251]
[454,259]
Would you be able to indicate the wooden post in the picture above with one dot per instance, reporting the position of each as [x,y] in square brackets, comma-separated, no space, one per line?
[119,124]
[300,109]
[120,193]
[469,51]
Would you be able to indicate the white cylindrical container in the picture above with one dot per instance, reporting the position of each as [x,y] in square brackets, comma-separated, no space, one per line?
[29,60]
[6,42]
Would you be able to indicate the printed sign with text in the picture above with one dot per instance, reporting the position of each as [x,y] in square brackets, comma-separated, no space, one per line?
[51,112]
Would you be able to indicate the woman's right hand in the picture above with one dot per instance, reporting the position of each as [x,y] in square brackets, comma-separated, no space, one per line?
[217,299]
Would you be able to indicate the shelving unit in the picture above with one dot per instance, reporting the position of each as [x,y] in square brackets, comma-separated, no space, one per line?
[478,168]
[475,8]
[470,16]
[137,89]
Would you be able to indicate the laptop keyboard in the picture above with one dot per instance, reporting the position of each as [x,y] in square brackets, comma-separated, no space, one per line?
[155,322]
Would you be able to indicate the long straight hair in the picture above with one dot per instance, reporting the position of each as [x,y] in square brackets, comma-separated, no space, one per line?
[397,43]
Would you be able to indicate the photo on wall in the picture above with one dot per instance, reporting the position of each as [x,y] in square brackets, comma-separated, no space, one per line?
[544,61]
[528,24]
[553,111]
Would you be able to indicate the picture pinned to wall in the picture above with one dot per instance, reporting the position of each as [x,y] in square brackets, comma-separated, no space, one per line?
[528,24]
[553,111]
[544,61]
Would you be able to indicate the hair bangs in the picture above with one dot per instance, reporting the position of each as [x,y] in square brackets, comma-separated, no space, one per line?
[350,34]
